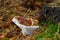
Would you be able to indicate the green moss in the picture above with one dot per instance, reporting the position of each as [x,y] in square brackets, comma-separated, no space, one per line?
[52,28]
[49,32]
[48,35]
[38,37]
[5,39]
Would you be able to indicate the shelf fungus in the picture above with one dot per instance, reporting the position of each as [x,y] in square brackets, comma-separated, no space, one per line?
[28,25]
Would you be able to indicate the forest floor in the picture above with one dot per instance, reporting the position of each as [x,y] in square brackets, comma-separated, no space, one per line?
[9,31]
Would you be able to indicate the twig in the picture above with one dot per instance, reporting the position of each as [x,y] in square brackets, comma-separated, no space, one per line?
[27,12]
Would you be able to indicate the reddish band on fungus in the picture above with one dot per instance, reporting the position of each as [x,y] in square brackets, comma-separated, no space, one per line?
[24,21]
